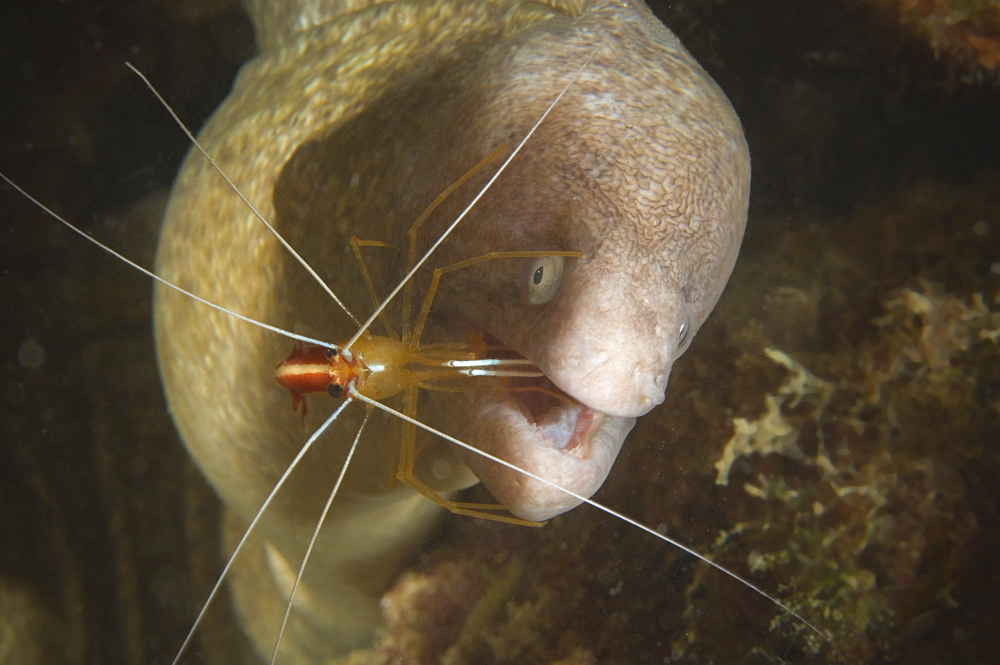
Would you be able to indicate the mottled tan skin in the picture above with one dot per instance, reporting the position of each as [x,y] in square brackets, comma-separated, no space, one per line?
[350,125]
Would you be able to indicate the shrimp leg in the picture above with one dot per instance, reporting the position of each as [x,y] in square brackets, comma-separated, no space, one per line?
[406,475]
[408,450]
[356,245]
[438,272]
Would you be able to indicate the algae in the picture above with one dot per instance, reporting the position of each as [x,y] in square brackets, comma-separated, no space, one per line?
[896,439]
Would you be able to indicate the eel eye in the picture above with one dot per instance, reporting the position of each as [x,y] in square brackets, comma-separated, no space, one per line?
[331,353]
[335,390]
[544,277]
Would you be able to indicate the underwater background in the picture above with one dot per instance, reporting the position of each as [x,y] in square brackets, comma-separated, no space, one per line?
[833,434]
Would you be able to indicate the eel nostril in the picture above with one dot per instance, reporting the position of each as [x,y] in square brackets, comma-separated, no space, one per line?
[649,389]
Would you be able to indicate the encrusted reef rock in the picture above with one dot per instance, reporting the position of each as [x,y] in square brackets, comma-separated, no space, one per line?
[967,32]
[832,438]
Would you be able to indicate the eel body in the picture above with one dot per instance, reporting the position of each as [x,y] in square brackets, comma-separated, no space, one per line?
[355,116]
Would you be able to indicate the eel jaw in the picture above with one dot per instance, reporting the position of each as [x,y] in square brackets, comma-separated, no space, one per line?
[546,433]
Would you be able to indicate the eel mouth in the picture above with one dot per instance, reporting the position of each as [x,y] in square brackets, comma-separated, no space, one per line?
[558,419]
[540,428]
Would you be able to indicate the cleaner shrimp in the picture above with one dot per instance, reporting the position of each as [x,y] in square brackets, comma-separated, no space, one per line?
[29,356]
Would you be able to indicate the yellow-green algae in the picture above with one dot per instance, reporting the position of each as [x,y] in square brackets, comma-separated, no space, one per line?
[891,442]
[832,437]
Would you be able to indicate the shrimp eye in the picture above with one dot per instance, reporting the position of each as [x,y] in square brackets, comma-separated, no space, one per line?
[335,390]
[544,277]
[331,353]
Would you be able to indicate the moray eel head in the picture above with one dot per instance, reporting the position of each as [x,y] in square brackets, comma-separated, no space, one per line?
[641,169]
[644,171]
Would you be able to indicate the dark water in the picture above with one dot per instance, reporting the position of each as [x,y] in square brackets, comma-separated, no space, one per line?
[99,503]
[872,167]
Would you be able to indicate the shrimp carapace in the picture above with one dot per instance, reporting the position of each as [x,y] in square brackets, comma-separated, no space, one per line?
[382,367]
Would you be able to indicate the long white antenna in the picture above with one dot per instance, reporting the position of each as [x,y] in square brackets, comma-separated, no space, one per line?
[246,201]
[354,394]
[315,535]
[475,200]
[153,275]
[253,523]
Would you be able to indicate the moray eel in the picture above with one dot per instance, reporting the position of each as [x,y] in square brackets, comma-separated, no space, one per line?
[352,118]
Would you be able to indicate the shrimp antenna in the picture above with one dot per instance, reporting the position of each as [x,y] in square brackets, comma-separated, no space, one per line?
[256,518]
[157,278]
[354,394]
[315,535]
[246,201]
[475,200]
